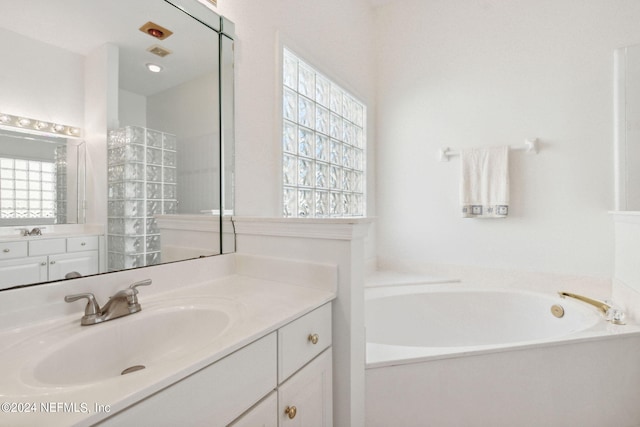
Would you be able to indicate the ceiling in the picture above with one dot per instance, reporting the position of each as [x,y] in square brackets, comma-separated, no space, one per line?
[377,3]
[81,26]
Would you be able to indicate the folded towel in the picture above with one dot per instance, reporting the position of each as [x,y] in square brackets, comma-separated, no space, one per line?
[484,183]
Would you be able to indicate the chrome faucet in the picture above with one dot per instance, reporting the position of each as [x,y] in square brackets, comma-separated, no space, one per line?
[36,231]
[612,314]
[122,303]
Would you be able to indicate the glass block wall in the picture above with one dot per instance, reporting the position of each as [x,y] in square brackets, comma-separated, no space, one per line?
[142,181]
[323,144]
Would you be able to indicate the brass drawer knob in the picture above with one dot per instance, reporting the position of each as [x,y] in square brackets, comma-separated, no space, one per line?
[291,412]
[6,250]
[314,338]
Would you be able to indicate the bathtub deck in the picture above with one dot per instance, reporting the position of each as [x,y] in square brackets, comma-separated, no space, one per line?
[395,278]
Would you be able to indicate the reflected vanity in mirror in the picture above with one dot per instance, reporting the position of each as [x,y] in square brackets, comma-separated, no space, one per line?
[627,128]
[142,173]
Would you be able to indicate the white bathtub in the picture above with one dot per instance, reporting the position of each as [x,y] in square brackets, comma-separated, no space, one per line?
[446,355]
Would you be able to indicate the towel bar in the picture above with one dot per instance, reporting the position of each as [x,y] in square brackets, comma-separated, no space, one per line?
[530,146]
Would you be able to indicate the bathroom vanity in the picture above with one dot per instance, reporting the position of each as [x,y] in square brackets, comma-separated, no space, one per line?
[25,260]
[245,347]
[291,366]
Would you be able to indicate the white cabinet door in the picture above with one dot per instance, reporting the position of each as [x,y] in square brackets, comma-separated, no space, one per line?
[23,271]
[305,399]
[264,414]
[85,263]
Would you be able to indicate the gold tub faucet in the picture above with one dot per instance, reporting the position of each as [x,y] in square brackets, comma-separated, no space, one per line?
[612,314]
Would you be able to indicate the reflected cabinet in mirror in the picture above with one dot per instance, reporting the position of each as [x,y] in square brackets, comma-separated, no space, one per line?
[627,128]
[116,136]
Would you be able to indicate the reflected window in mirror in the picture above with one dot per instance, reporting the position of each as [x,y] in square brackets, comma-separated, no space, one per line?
[27,189]
[323,144]
[41,179]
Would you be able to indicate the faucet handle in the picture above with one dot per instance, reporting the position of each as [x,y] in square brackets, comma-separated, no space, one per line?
[92,307]
[145,282]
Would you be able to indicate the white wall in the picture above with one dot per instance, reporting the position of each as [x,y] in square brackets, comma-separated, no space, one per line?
[472,73]
[190,112]
[132,109]
[32,87]
[626,274]
[336,36]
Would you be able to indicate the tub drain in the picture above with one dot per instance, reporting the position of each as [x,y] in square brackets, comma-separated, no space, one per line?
[557,310]
[132,369]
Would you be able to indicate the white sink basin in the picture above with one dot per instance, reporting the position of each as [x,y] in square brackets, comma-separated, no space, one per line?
[148,338]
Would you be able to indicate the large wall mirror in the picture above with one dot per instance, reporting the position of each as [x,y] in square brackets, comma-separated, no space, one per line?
[116,136]
[627,128]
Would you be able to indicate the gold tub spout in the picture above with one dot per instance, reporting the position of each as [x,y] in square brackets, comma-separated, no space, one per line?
[612,314]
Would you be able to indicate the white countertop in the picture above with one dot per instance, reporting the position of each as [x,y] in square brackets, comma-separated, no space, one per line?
[20,238]
[262,306]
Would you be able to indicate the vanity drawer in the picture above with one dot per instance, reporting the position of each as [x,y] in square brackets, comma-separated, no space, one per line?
[47,247]
[9,250]
[213,396]
[302,340]
[83,243]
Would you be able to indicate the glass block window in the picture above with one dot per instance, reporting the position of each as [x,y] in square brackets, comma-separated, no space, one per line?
[27,189]
[323,145]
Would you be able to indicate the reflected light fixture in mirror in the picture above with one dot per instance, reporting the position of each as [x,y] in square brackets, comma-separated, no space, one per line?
[39,127]
[154,68]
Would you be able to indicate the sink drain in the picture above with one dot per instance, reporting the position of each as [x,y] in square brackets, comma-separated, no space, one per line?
[132,369]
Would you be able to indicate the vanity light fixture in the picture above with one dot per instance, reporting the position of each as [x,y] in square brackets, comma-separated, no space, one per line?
[23,122]
[39,127]
[154,68]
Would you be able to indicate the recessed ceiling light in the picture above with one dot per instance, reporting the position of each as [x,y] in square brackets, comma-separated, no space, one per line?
[154,68]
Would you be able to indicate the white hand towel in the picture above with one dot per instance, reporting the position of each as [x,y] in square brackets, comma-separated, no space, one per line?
[484,183]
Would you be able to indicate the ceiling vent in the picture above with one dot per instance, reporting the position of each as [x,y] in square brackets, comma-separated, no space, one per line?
[155,30]
[159,50]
